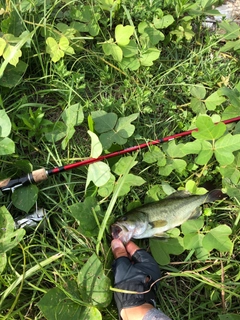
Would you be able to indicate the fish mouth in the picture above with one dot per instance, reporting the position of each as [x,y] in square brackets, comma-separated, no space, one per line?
[115,231]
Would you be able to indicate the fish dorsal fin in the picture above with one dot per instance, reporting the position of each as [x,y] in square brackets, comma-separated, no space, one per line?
[179,194]
[158,223]
[196,213]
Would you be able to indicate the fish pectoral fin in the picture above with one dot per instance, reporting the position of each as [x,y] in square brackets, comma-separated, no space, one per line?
[158,223]
[161,235]
[196,213]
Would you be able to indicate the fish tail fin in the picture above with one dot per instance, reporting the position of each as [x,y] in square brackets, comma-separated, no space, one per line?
[214,195]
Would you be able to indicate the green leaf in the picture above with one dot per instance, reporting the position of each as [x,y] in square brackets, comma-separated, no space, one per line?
[122,164]
[198,91]
[3,44]
[130,50]
[105,190]
[130,181]
[217,238]
[207,129]
[55,131]
[119,133]
[122,34]
[114,50]
[72,116]
[53,49]
[232,171]
[104,121]
[172,164]
[192,226]
[131,63]
[164,22]
[7,146]
[148,56]
[56,305]
[83,212]
[197,106]
[224,148]
[13,53]
[98,173]
[13,74]
[161,250]
[5,124]
[153,155]
[25,197]
[93,283]
[96,147]
[174,150]
[205,153]
[214,100]
[232,94]
[9,238]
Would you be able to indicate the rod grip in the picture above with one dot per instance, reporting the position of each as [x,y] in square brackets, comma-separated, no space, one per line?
[39,175]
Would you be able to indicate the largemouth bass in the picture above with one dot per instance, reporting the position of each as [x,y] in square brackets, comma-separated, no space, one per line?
[154,219]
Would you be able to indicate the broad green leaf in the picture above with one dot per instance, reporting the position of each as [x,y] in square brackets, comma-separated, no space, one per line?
[154,194]
[232,171]
[55,132]
[7,146]
[123,163]
[153,155]
[154,35]
[230,112]
[73,115]
[197,106]
[3,44]
[64,46]
[114,50]
[120,133]
[148,56]
[9,238]
[96,147]
[99,173]
[130,181]
[163,22]
[174,150]
[192,147]
[69,133]
[218,238]
[192,226]
[122,34]
[13,53]
[93,283]
[161,250]
[192,188]
[224,148]
[198,91]
[66,30]
[13,74]
[231,28]
[130,50]
[25,197]
[232,94]
[83,212]
[131,63]
[53,49]
[193,241]
[207,129]
[104,121]
[110,5]
[205,153]
[201,253]
[105,190]
[56,305]
[5,124]
[214,100]
[172,164]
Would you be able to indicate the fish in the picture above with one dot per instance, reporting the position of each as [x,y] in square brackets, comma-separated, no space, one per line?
[155,218]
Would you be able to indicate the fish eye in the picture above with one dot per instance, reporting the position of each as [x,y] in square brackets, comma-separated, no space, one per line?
[124,218]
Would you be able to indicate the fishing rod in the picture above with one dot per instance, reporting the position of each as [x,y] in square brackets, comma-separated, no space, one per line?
[42,174]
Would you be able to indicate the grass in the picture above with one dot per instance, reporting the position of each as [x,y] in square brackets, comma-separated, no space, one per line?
[52,256]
